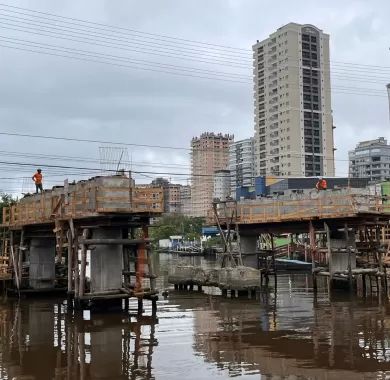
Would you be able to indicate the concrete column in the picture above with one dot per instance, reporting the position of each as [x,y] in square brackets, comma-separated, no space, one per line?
[248,250]
[339,260]
[106,262]
[42,263]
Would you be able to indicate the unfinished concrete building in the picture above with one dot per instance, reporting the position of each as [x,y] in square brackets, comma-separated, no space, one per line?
[209,153]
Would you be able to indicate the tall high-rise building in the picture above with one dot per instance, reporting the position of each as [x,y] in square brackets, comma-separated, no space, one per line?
[388,94]
[370,159]
[185,197]
[242,164]
[293,116]
[209,153]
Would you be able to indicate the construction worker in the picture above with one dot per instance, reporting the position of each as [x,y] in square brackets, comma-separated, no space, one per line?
[37,178]
[321,184]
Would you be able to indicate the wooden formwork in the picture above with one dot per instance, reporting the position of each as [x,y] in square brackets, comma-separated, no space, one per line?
[324,206]
[85,199]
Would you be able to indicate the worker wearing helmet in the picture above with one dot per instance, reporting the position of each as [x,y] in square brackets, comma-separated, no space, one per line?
[37,178]
[321,184]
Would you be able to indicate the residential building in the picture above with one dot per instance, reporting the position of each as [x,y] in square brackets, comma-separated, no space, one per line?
[222,185]
[241,164]
[172,197]
[209,153]
[370,159]
[293,116]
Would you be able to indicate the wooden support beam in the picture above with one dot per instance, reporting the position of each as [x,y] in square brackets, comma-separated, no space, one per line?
[70,262]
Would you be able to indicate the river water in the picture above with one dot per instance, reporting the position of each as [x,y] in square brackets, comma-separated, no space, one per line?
[292,335]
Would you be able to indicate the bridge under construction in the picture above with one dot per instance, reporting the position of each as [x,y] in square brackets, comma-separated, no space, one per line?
[88,238]
[346,231]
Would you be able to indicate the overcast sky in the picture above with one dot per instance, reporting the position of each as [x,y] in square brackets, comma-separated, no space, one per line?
[57,96]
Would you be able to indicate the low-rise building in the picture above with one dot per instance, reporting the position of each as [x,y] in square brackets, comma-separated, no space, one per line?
[370,159]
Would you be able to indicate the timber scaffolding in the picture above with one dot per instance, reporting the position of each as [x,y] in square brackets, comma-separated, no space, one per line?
[100,224]
[342,228]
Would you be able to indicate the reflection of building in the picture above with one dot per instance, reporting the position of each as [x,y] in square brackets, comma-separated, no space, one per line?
[242,164]
[210,152]
[370,159]
[293,117]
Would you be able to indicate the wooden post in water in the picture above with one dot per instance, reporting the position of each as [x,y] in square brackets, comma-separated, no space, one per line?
[20,257]
[349,251]
[76,266]
[83,264]
[329,253]
[312,254]
[70,262]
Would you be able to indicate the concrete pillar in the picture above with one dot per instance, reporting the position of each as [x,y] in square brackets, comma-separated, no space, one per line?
[42,263]
[106,262]
[248,251]
[339,260]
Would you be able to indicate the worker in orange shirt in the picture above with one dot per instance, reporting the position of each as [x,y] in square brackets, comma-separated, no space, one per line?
[37,178]
[321,184]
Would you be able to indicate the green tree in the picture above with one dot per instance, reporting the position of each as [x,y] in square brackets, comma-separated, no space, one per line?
[176,224]
[6,200]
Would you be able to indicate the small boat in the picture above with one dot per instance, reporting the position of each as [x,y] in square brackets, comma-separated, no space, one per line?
[292,265]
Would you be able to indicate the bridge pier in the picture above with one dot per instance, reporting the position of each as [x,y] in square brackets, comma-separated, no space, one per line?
[248,251]
[342,256]
[106,261]
[42,263]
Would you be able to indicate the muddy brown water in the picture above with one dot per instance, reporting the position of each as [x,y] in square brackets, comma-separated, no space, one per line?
[292,335]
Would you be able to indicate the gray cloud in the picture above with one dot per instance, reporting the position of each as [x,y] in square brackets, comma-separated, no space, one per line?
[57,96]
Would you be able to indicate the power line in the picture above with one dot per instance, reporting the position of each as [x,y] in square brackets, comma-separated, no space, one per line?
[122,65]
[137,42]
[129,46]
[136,33]
[119,58]
[196,151]
[161,71]
[125,29]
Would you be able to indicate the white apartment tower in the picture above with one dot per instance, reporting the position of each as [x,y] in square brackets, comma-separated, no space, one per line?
[241,164]
[293,116]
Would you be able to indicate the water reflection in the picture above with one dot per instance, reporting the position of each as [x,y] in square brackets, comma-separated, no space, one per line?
[201,336]
[292,336]
[40,340]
